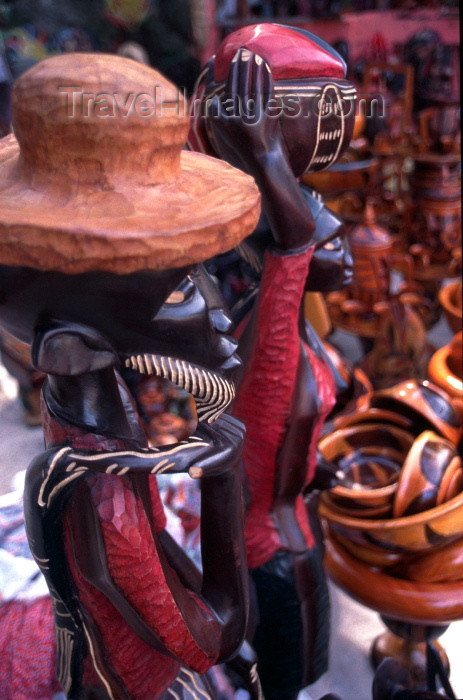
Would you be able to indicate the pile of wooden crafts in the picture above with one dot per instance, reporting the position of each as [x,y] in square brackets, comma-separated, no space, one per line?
[395,526]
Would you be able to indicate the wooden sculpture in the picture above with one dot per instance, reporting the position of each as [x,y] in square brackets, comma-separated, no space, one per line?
[434,78]
[102,223]
[287,388]
[388,321]
[393,82]
[446,369]
[434,234]
[450,298]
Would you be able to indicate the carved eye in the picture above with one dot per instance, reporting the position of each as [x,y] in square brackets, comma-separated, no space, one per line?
[329,246]
[176,297]
[184,290]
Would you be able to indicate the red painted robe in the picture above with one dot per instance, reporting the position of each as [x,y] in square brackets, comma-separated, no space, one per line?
[265,396]
[136,567]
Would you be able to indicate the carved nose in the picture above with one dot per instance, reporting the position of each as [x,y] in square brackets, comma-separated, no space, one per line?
[220,320]
[348,259]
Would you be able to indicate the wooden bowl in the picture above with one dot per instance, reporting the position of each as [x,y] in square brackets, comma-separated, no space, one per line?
[431,475]
[370,458]
[450,300]
[422,403]
[443,564]
[342,177]
[353,510]
[369,554]
[413,533]
[422,603]
[446,367]
[368,415]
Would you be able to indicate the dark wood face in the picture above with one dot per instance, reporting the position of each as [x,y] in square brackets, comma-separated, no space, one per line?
[331,265]
[317,121]
[172,312]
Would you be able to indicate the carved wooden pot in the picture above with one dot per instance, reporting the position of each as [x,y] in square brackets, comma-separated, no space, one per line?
[417,594]
[370,458]
[450,300]
[410,601]
[371,248]
[432,474]
[421,405]
[414,533]
[416,613]
[423,496]
[446,369]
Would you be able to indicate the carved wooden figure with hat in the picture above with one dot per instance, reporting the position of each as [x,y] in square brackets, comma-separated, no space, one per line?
[103,224]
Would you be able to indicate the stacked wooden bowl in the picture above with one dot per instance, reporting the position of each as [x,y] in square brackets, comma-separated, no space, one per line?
[450,300]
[395,525]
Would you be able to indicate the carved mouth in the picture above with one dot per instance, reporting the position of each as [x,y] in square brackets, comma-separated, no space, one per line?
[211,392]
[348,276]
[330,141]
[328,136]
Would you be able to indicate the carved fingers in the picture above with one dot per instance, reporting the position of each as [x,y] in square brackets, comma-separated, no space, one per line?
[225,437]
[249,86]
[242,118]
[212,450]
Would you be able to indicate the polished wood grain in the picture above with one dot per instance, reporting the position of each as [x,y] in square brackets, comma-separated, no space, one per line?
[413,533]
[446,369]
[443,564]
[418,602]
[450,300]
[431,474]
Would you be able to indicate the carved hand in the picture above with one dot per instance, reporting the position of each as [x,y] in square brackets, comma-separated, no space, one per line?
[242,124]
[225,437]
[214,449]
[247,134]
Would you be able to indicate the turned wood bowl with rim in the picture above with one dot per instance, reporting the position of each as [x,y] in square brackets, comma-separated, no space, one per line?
[450,300]
[370,458]
[432,474]
[413,533]
[422,403]
[445,367]
[419,602]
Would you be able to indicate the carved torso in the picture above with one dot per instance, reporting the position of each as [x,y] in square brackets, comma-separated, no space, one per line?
[112,510]
[265,400]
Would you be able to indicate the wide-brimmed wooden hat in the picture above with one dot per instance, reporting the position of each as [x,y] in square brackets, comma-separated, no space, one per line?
[95,177]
